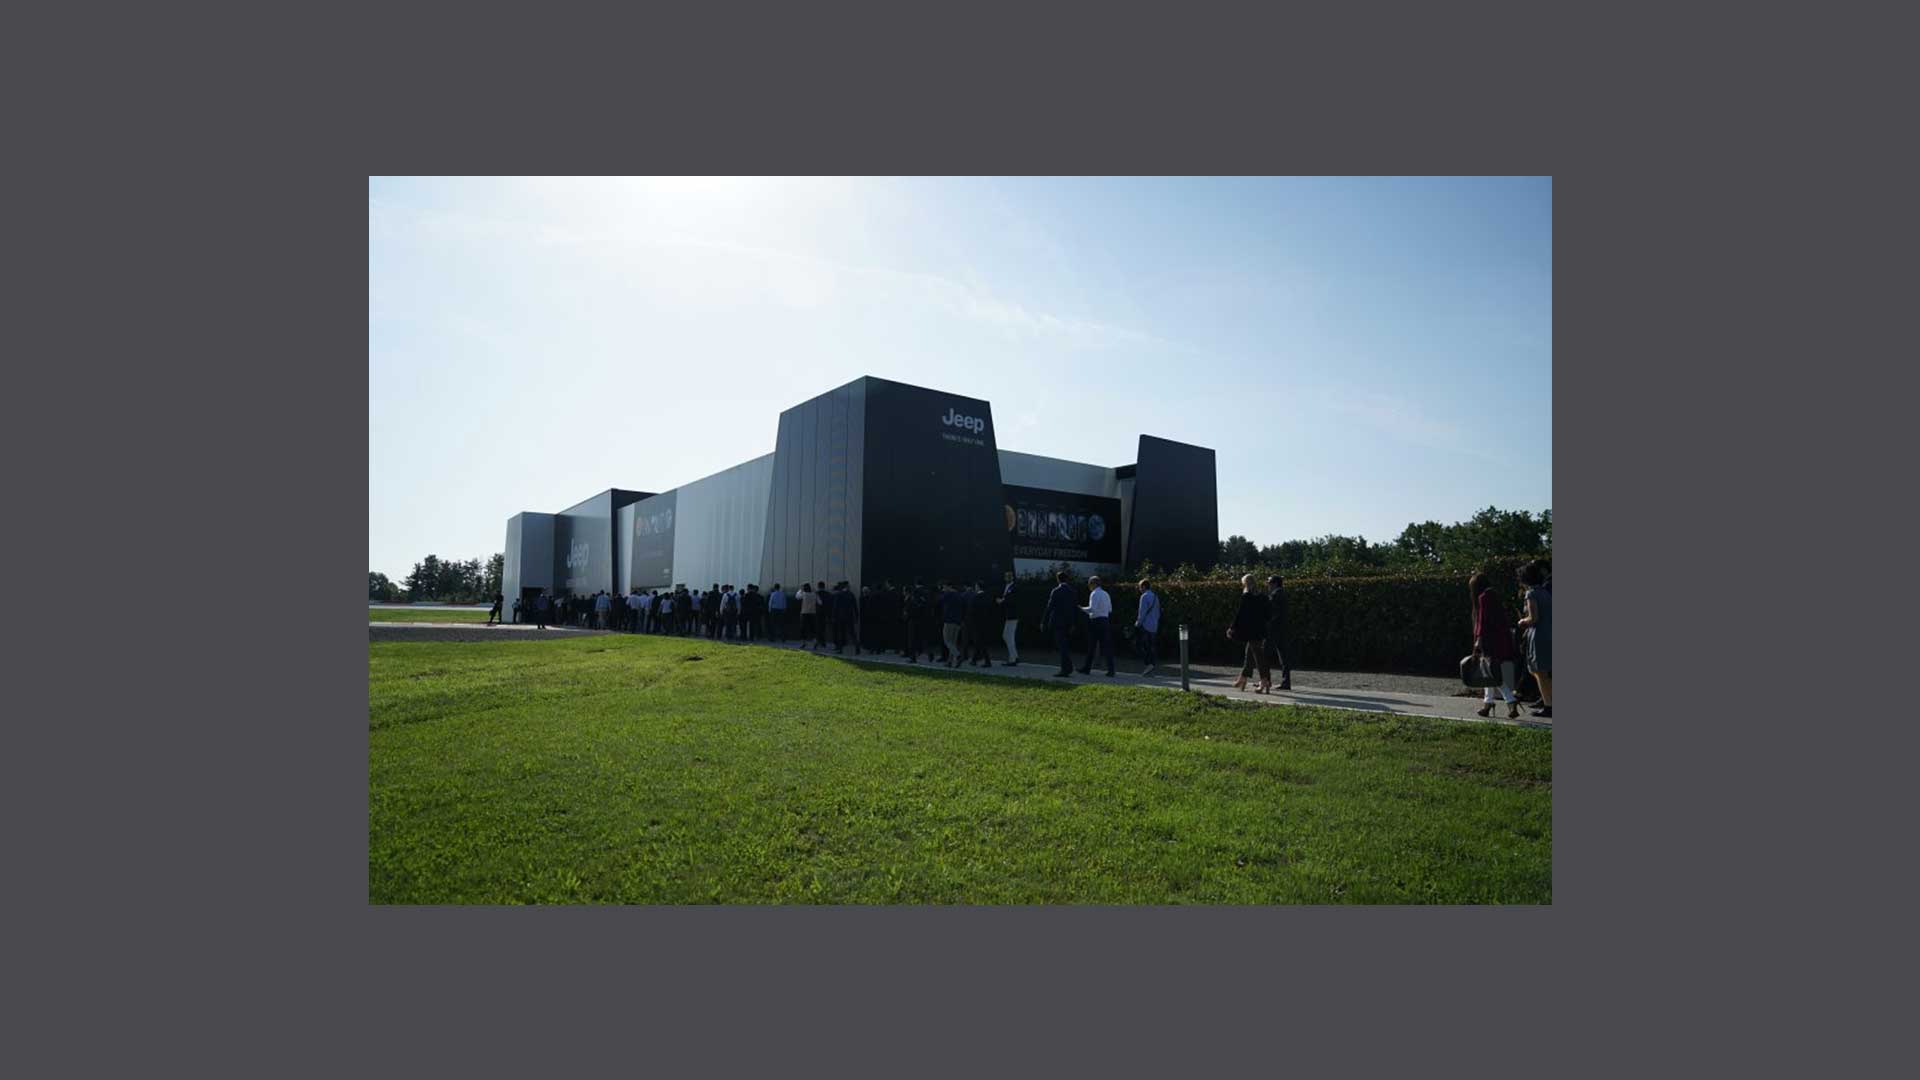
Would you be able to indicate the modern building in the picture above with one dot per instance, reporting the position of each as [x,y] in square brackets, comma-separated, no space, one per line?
[875,481]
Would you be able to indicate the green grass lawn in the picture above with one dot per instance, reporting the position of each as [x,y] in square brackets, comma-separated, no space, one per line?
[623,770]
[462,615]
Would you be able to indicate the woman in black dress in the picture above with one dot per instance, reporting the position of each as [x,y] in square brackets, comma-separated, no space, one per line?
[1250,629]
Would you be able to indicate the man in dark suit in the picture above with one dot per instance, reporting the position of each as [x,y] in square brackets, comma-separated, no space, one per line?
[913,618]
[1062,610]
[846,618]
[1277,628]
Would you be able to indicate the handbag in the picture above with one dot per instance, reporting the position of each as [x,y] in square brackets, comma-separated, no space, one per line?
[1479,672]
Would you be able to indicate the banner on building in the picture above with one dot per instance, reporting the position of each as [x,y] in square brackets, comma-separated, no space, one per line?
[1063,526]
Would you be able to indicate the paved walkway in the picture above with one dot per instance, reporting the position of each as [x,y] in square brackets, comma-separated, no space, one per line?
[1221,684]
[1210,680]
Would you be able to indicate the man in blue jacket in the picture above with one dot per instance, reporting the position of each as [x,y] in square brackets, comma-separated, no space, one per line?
[1146,624]
[777,614]
[1062,610]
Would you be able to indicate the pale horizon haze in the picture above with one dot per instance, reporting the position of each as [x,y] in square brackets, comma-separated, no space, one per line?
[1360,353]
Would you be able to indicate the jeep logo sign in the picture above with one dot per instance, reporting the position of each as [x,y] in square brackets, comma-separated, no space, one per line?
[974,424]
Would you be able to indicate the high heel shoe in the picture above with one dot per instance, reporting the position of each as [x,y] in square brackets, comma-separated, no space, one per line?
[1484,710]
[1265,688]
[1240,683]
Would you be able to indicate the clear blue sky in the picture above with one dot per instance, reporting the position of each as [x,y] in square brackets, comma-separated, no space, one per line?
[1362,353]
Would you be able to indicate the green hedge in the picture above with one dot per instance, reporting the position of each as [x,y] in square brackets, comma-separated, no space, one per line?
[1408,623]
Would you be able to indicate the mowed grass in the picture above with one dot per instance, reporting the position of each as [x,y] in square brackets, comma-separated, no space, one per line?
[459,615]
[624,770]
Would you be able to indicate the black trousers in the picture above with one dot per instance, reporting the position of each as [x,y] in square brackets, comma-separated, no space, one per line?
[806,625]
[1277,641]
[776,624]
[1143,644]
[1099,637]
[843,629]
[1063,638]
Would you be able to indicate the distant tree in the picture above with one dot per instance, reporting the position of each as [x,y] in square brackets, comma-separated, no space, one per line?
[1422,542]
[1237,550]
[1493,533]
[425,581]
[381,588]
[496,570]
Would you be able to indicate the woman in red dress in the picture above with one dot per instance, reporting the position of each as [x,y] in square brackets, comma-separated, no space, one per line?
[1493,638]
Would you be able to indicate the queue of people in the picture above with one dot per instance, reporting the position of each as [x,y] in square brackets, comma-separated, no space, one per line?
[954,622]
[951,622]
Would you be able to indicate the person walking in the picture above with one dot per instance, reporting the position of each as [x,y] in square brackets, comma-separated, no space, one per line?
[1277,628]
[913,618]
[953,615]
[820,625]
[516,609]
[1099,612]
[602,610]
[867,631]
[1146,625]
[729,613]
[809,613]
[1538,625]
[753,608]
[777,614]
[1058,618]
[493,613]
[1008,604]
[846,618]
[986,623]
[965,637]
[878,618]
[663,623]
[1250,629]
[541,607]
[1493,639]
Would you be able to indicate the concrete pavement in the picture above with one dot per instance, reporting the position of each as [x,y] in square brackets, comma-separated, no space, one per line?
[1213,681]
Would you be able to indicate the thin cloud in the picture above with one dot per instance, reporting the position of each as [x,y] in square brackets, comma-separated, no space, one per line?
[794,279]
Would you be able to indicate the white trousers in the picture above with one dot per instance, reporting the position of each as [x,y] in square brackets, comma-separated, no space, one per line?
[1007,633]
[1506,683]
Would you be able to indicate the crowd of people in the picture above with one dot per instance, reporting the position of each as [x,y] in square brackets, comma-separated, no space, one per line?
[951,622]
[954,622]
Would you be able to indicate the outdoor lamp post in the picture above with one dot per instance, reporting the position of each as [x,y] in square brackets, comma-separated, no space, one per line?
[1183,656]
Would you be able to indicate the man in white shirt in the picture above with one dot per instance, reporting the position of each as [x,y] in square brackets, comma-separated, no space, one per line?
[1099,610]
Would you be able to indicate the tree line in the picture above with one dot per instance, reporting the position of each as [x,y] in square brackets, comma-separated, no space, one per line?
[1426,545]
[454,581]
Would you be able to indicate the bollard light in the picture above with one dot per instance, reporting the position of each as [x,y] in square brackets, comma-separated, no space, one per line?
[1183,657]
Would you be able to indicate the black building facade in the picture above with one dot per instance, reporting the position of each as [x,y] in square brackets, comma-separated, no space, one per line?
[873,481]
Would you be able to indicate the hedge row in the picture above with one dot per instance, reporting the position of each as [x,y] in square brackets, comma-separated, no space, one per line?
[1409,623]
